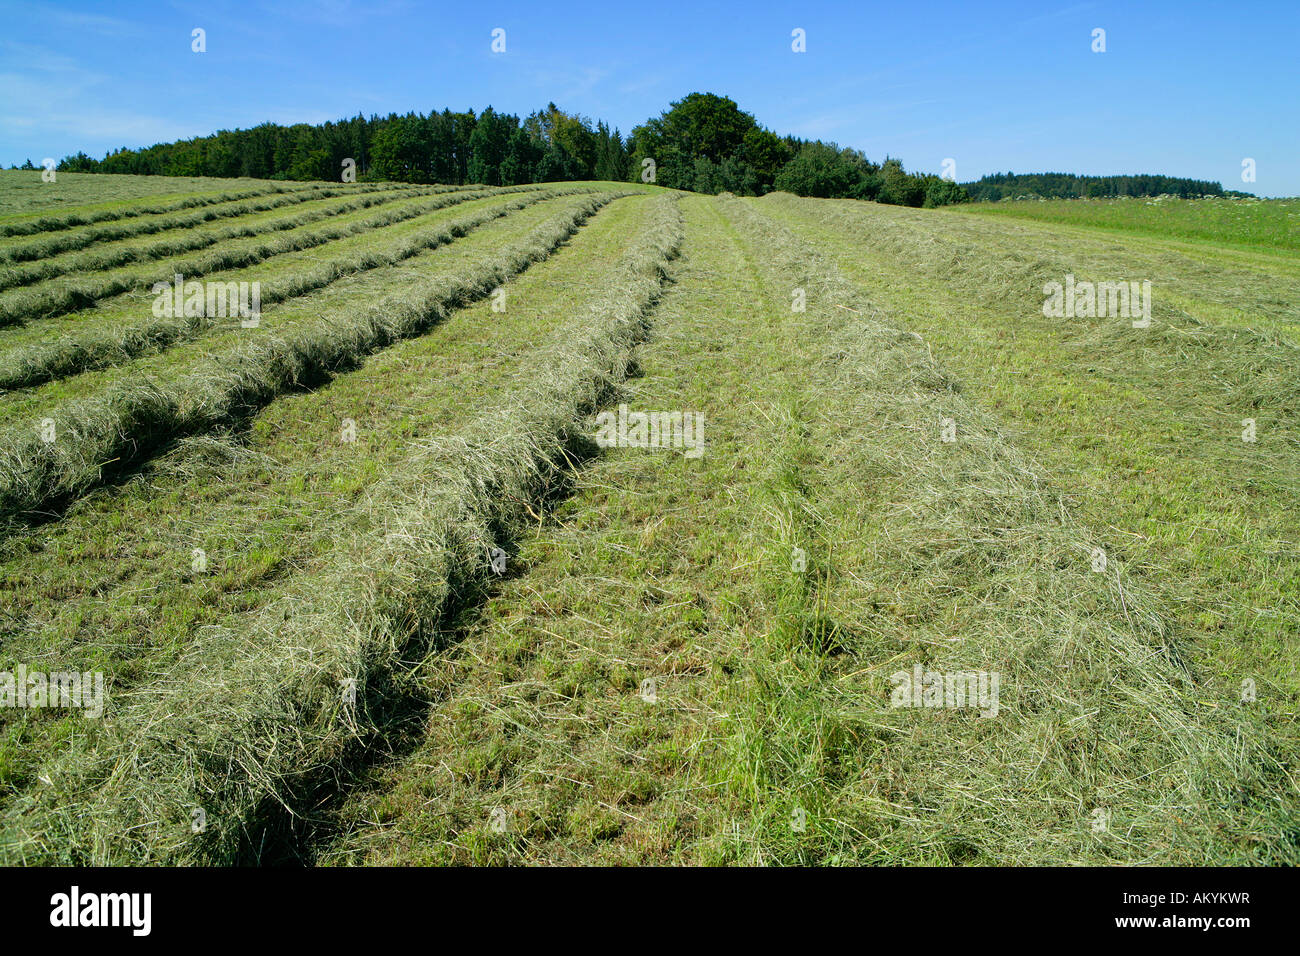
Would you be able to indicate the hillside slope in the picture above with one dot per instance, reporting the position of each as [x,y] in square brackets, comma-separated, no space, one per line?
[367,582]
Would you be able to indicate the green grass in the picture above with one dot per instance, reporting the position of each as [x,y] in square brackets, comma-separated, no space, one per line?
[332,486]
[1143,430]
[29,205]
[223,378]
[1271,225]
[80,290]
[138,239]
[286,268]
[828,538]
[772,699]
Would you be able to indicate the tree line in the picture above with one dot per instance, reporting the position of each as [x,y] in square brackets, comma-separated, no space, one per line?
[448,147]
[703,142]
[706,143]
[1070,186]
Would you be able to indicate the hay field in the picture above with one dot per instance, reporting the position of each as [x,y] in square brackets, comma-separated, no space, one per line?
[365,584]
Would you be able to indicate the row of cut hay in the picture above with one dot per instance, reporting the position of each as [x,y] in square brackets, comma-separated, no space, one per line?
[77,292]
[99,348]
[57,243]
[1245,371]
[253,721]
[1017,272]
[100,258]
[30,227]
[103,436]
[1014,275]
[1097,711]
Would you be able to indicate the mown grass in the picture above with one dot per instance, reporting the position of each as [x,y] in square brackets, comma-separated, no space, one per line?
[1144,427]
[61,253]
[17,249]
[771,738]
[69,293]
[1197,284]
[124,328]
[493,465]
[265,495]
[30,205]
[309,286]
[1271,225]
[828,538]
[225,379]
[113,586]
[537,746]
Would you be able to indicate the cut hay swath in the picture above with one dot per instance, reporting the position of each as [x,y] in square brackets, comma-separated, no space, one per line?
[56,243]
[245,727]
[80,292]
[1097,710]
[27,366]
[30,227]
[261,694]
[132,420]
[177,238]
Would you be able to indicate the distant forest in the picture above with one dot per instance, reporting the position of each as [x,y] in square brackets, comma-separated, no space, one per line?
[703,142]
[1069,186]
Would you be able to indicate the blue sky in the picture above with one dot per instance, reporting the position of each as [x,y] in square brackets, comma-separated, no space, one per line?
[1184,88]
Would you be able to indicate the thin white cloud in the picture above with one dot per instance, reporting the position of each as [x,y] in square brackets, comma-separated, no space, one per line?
[91,22]
[29,58]
[54,94]
[122,127]
[569,85]
[337,13]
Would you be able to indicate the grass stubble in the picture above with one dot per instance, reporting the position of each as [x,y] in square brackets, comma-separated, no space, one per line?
[250,713]
[1112,743]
